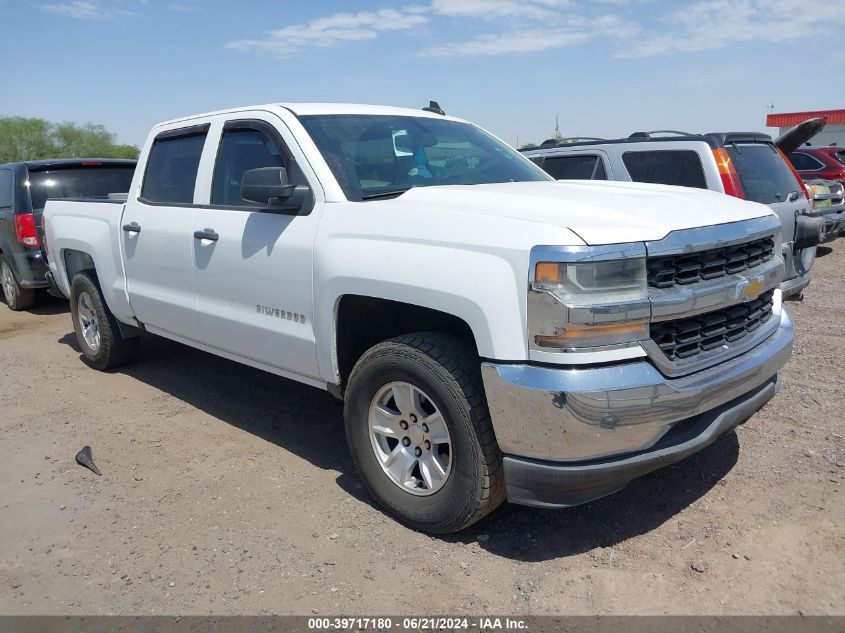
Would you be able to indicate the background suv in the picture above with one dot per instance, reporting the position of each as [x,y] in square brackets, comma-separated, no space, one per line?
[24,190]
[820,162]
[745,165]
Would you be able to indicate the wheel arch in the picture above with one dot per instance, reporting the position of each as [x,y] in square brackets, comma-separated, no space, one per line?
[75,261]
[362,321]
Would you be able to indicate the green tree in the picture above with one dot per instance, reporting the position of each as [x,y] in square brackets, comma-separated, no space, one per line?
[33,139]
[528,146]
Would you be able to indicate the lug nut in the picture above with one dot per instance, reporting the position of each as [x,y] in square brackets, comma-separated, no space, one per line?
[406,441]
[428,445]
[413,418]
[425,428]
[404,425]
[417,451]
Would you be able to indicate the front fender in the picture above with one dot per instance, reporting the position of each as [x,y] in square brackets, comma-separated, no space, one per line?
[476,269]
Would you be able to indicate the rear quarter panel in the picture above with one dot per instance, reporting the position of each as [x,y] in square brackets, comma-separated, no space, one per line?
[92,228]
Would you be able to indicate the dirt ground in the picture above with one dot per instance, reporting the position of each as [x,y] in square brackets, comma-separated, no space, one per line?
[229,491]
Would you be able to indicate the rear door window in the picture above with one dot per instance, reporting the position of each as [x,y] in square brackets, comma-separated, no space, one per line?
[171,173]
[804,162]
[840,156]
[666,167]
[6,196]
[578,167]
[78,181]
[765,175]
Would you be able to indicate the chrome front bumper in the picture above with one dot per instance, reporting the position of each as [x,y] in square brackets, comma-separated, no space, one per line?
[573,435]
[581,414]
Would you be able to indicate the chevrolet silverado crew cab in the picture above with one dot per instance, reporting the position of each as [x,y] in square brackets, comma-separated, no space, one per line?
[493,333]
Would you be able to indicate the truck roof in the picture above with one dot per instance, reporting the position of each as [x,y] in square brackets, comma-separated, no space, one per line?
[305,109]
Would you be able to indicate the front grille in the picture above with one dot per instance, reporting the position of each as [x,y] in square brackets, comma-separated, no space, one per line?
[691,336]
[666,272]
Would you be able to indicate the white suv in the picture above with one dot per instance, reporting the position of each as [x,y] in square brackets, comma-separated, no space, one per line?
[745,165]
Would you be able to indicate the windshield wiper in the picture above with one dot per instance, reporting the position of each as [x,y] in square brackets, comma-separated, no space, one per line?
[384,194]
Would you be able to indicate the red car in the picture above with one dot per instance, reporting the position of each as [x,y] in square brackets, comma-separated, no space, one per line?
[820,162]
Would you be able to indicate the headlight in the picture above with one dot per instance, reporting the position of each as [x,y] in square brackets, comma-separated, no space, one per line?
[585,298]
[591,282]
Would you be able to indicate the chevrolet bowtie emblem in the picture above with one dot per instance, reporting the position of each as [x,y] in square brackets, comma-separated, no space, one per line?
[749,289]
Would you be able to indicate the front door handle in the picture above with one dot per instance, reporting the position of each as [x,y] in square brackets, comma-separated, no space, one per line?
[134,227]
[206,234]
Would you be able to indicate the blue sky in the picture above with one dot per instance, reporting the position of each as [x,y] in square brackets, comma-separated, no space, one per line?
[606,67]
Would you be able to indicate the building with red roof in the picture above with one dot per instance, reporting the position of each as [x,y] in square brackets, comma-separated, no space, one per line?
[832,134]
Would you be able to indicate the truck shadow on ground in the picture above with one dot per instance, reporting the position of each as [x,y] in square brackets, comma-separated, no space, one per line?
[309,423]
[534,535]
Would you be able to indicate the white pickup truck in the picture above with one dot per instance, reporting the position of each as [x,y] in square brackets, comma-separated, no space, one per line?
[494,334]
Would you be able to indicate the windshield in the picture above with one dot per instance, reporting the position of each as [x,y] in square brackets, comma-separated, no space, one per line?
[377,156]
[78,181]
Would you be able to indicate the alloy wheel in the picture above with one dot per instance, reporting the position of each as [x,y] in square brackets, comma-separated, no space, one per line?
[410,438]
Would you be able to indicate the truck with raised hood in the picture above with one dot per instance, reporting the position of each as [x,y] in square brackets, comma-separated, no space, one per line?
[493,334]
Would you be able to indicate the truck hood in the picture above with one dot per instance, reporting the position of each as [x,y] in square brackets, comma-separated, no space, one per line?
[599,212]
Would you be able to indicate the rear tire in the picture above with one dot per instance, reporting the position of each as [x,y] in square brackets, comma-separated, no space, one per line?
[97,331]
[17,298]
[449,473]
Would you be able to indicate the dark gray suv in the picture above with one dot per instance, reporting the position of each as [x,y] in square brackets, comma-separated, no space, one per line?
[24,190]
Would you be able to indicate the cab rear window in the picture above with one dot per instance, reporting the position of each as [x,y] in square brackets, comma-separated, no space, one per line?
[764,173]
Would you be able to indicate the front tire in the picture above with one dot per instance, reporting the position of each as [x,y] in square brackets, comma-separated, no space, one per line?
[97,331]
[420,433]
[17,298]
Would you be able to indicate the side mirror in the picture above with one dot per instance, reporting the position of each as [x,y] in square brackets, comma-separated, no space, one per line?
[271,186]
[808,232]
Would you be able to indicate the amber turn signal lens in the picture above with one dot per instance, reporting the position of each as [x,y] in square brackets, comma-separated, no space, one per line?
[594,335]
[546,272]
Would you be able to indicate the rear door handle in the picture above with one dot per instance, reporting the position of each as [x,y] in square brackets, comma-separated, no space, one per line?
[206,234]
[134,227]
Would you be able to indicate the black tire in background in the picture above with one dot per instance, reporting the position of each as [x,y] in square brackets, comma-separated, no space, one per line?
[447,370]
[113,350]
[17,298]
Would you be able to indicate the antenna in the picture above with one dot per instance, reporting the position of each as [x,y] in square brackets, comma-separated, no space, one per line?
[433,106]
[557,125]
